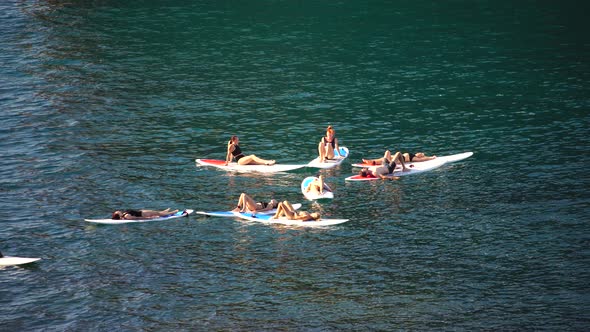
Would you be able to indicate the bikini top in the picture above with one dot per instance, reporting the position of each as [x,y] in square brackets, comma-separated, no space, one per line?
[237,151]
[134,213]
[325,138]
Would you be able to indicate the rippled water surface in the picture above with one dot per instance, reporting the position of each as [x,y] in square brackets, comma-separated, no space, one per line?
[105,105]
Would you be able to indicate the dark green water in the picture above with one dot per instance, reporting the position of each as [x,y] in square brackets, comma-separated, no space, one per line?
[106,104]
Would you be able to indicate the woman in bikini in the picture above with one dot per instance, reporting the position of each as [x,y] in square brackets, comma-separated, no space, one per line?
[388,165]
[318,186]
[141,214]
[247,204]
[328,144]
[408,157]
[234,151]
[285,209]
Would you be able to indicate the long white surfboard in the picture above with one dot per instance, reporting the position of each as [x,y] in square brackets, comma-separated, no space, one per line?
[330,163]
[178,214]
[313,195]
[233,166]
[12,260]
[230,214]
[266,219]
[446,159]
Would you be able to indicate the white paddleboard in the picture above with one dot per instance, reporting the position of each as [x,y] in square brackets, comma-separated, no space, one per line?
[231,214]
[415,168]
[338,159]
[266,219]
[11,260]
[456,157]
[447,159]
[313,195]
[233,166]
[178,214]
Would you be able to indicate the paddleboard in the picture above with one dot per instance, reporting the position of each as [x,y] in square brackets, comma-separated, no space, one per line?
[456,157]
[313,195]
[11,260]
[178,214]
[231,214]
[233,166]
[447,159]
[415,168]
[330,163]
[266,219]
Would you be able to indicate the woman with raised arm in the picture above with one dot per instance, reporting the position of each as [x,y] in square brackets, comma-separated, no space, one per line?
[317,186]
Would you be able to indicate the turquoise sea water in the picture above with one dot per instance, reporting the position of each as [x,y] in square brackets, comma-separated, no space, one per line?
[106,104]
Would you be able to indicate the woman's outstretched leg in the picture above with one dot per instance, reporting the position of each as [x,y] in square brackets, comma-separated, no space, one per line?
[254,160]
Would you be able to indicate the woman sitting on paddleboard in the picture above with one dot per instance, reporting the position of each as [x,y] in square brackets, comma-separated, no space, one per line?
[141,214]
[287,210]
[328,144]
[408,157]
[388,164]
[247,204]
[234,151]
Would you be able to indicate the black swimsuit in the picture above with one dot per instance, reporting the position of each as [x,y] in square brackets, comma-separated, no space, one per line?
[265,204]
[390,166]
[411,155]
[332,142]
[325,139]
[133,213]
[237,152]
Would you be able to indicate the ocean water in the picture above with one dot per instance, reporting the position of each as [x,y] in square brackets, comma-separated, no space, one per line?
[106,104]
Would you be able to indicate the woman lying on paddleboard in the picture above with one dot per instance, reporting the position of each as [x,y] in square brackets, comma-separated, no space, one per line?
[234,151]
[141,214]
[247,204]
[328,144]
[285,209]
[408,157]
[387,167]
[317,186]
